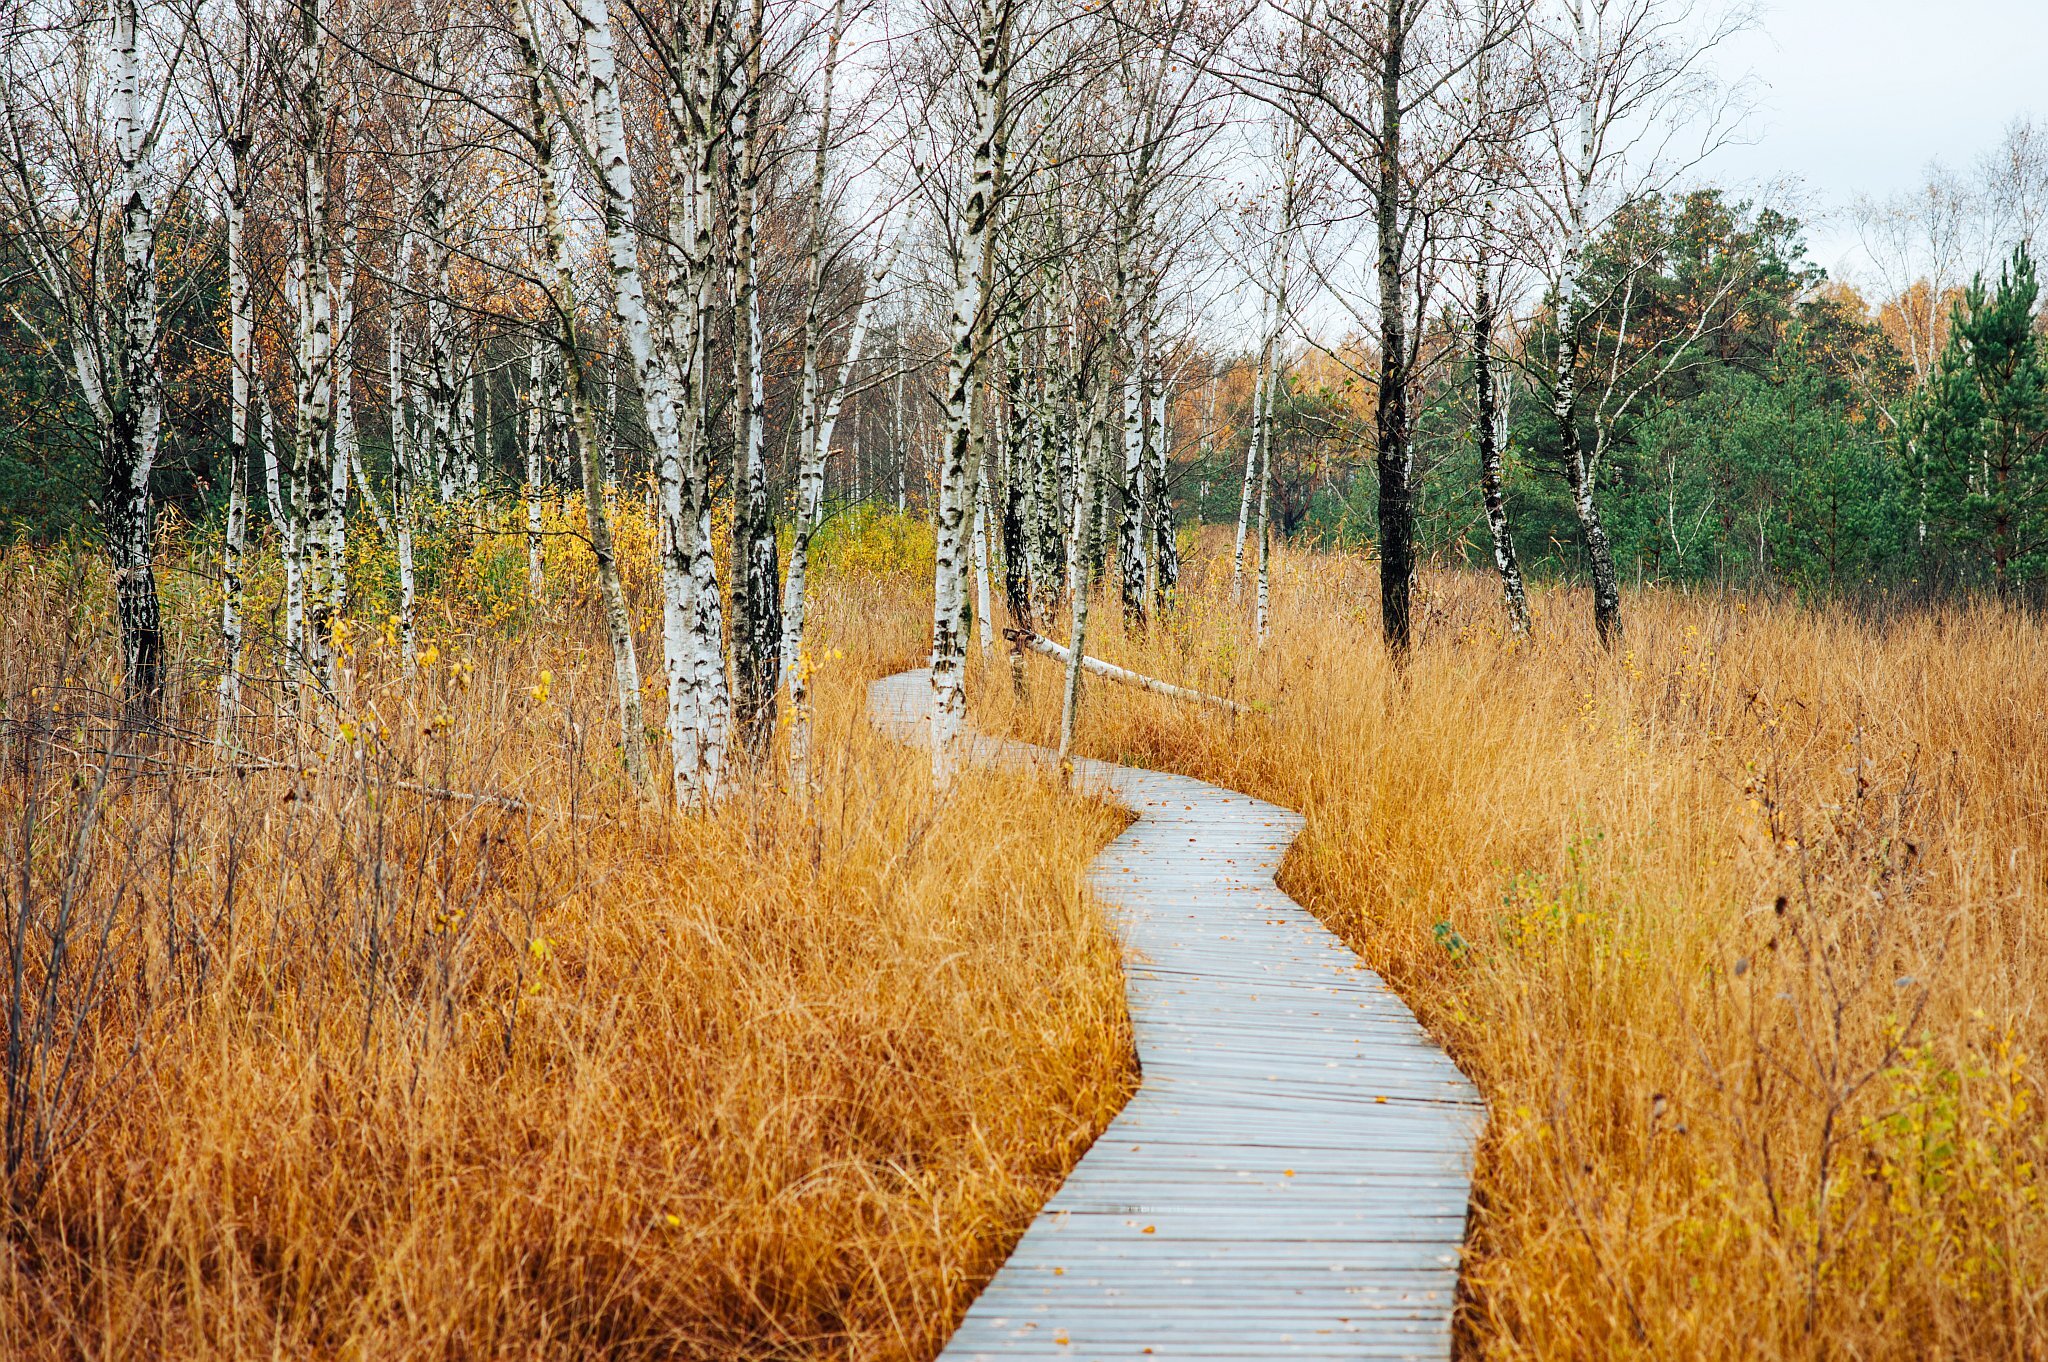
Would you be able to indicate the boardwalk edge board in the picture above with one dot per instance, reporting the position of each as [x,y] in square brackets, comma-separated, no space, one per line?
[1291,1177]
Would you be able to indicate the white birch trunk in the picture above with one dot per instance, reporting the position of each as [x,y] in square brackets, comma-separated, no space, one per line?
[1265,529]
[241,332]
[984,621]
[1087,522]
[1251,456]
[812,460]
[535,433]
[133,413]
[757,626]
[402,453]
[1132,555]
[949,694]
[1165,563]
[692,642]
[583,418]
[345,456]
[313,436]
[810,514]
[1582,469]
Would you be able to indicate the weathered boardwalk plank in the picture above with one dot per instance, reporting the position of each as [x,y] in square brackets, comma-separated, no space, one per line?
[1291,1178]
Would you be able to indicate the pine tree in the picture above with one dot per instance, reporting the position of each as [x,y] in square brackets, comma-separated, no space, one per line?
[1982,430]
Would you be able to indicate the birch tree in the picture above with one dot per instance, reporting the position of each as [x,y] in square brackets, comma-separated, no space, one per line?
[756,603]
[1633,75]
[963,377]
[560,291]
[312,274]
[233,75]
[90,237]
[1374,84]
[692,632]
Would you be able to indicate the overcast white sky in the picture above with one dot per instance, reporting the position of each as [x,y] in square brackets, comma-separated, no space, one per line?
[1857,96]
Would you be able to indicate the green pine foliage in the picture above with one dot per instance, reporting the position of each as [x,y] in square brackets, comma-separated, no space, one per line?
[1980,438]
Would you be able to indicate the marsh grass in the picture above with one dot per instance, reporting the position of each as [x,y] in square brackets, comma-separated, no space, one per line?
[403,1033]
[1740,930]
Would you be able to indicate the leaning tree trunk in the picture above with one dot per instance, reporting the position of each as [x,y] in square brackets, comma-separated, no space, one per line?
[955,481]
[809,516]
[1488,429]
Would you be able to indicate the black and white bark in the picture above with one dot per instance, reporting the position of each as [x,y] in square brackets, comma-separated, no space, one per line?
[404,458]
[241,353]
[810,515]
[692,630]
[535,436]
[313,430]
[757,610]
[963,375]
[1134,548]
[90,245]
[564,323]
[1087,535]
[1489,433]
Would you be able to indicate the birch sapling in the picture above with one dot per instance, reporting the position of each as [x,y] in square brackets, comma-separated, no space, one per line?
[1265,572]
[1267,340]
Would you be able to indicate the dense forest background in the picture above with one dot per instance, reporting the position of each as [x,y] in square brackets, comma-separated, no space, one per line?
[1785,437]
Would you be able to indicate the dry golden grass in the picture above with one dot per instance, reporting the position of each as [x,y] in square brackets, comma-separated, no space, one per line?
[374,1074]
[1741,932]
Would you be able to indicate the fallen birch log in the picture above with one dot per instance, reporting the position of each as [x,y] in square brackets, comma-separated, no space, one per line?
[1038,643]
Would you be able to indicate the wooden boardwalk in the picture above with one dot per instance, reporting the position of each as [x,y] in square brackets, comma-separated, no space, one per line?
[1291,1178]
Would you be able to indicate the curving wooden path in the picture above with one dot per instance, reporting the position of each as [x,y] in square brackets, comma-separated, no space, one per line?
[1290,1179]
